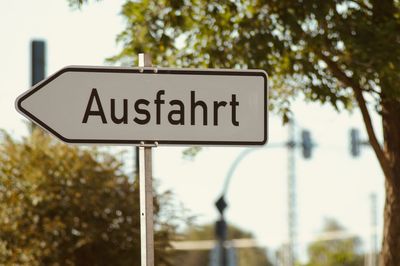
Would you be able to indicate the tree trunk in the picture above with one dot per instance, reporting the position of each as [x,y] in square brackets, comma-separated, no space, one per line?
[390,253]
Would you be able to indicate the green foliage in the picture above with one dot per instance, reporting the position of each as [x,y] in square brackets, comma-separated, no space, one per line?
[190,153]
[63,205]
[296,42]
[77,3]
[245,256]
[207,232]
[337,252]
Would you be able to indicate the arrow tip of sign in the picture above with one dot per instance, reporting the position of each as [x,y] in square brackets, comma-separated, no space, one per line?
[18,103]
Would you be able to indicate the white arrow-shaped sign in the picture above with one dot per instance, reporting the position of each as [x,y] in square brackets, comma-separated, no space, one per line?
[109,105]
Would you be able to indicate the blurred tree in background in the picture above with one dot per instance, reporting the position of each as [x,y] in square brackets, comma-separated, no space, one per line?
[64,205]
[342,52]
[253,256]
[335,252]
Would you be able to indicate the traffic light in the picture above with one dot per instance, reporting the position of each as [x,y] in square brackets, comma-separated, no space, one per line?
[355,142]
[306,143]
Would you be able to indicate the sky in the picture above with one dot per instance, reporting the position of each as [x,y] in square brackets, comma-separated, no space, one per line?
[330,185]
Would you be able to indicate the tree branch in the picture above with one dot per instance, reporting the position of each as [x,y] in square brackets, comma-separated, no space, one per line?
[362,5]
[358,93]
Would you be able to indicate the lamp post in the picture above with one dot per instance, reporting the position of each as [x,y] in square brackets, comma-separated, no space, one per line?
[306,146]
[221,231]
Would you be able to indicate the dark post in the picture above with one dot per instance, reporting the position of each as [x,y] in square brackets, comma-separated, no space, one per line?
[38,64]
[221,230]
[355,142]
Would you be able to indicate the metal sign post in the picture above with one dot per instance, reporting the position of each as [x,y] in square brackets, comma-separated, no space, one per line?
[145,106]
[146,192]
[146,205]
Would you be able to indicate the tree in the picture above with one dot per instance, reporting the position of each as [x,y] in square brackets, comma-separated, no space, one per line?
[64,205]
[342,52]
[335,252]
[254,256]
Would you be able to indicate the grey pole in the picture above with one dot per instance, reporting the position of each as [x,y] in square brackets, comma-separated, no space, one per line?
[374,222]
[146,192]
[291,195]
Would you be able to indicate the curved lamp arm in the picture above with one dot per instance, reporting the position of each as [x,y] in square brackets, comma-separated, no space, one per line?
[239,159]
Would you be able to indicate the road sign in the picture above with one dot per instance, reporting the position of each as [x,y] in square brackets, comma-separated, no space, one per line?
[221,205]
[110,105]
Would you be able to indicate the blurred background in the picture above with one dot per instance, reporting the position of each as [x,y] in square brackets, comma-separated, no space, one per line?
[312,196]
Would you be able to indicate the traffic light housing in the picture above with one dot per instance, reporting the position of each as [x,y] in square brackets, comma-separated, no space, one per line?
[355,142]
[306,143]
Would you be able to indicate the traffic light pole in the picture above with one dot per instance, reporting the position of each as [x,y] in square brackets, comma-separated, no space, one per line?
[307,145]
[291,194]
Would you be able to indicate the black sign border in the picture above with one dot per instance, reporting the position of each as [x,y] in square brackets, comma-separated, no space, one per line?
[221,72]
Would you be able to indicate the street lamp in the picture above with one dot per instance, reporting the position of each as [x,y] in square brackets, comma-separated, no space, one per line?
[221,230]
[306,144]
